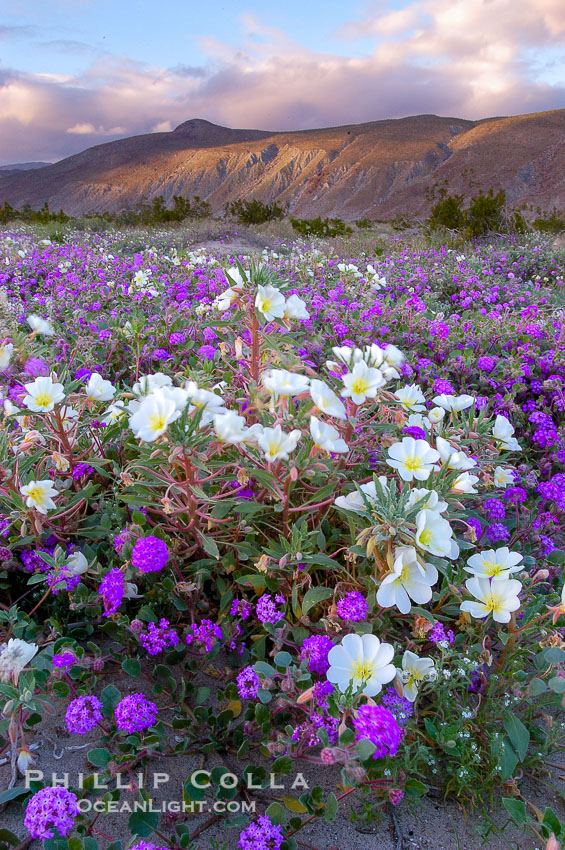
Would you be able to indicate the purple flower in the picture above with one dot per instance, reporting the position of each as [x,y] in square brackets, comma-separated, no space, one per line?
[378,725]
[402,708]
[497,531]
[158,637]
[353,607]
[50,813]
[150,554]
[494,508]
[112,589]
[248,683]
[82,714]
[261,835]
[176,338]
[516,495]
[207,633]
[135,713]
[241,607]
[320,693]
[206,352]
[266,609]
[306,733]
[36,367]
[64,659]
[146,845]
[315,649]
[439,635]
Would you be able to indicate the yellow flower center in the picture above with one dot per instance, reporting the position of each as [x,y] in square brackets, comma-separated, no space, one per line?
[158,421]
[362,670]
[273,448]
[359,386]
[426,537]
[413,463]
[266,305]
[43,400]
[36,494]
[492,568]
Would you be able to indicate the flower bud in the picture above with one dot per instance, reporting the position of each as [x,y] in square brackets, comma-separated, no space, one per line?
[25,759]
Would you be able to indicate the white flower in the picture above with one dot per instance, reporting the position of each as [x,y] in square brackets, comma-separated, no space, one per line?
[497,597]
[276,444]
[295,308]
[452,458]
[210,403]
[6,349]
[361,660]
[43,395]
[141,279]
[435,415]
[414,671]
[411,398]
[393,355]
[14,656]
[464,483]
[354,501]
[326,437]
[454,403]
[148,383]
[409,580]
[113,413]
[68,416]
[426,499]
[98,389]
[224,301]
[235,277]
[153,416]
[502,477]
[496,564]
[326,400]
[39,325]
[362,382]
[283,384]
[25,760]
[38,495]
[373,355]
[346,354]
[434,533]
[502,432]
[77,563]
[230,427]
[413,459]
[270,302]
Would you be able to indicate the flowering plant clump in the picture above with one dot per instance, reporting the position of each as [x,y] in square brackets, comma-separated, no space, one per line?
[302,509]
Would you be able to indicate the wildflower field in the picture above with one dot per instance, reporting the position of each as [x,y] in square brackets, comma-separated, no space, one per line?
[273,517]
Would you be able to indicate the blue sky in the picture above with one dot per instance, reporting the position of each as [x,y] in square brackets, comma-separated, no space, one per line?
[74,73]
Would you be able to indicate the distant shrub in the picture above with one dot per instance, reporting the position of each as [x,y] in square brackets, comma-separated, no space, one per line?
[401,222]
[448,212]
[555,223]
[364,223]
[254,212]
[486,214]
[323,227]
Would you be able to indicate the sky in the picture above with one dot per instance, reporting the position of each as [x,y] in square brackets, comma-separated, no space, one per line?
[76,73]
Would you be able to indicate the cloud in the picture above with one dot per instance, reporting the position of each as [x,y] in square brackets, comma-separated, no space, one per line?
[464,58]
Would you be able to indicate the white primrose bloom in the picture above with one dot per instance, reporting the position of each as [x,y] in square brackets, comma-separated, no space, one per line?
[69,416]
[435,415]
[361,660]
[234,276]
[148,383]
[178,395]
[38,495]
[503,477]
[230,427]
[411,398]
[416,670]
[349,267]
[497,597]
[282,383]
[502,432]
[77,563]
[140,279]
[434,534]
[153,416]
[410,579]
[362,382]
[98,389]
[347,355]
[454,403]
[6,349]
[253,433]
[295,308]
[452,458]
[114,412]
[426,499]
[373,355]
[326,437]
[210,403]
[39,325]
[354,501]
[224,301]
[496,564]
[393,358]
[464,483]
[412,459]
[277,445]
[43,395]
[326,400]
[14,656]
[270,302]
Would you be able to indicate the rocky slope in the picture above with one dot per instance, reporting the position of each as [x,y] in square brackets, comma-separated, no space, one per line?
[376,170]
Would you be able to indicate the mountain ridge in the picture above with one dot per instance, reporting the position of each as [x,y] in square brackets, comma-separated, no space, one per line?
[378,169]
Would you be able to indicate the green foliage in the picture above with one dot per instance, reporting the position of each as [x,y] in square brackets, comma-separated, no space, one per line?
[30,216]
[554,223]
[448,213]
[254,212]
[322,227]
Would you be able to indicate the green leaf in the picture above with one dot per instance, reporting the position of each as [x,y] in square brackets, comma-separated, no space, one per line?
[556,557]
[264,669]
[516,809]
[518,734]
[313,596]
[99,757]
[110,697]
[282,765]
[415,788]
[536,687]
[283,659]
[557,684]
[554,655]
[365,748]
[9,837]
[508,760]
[13,794]
[131,666]
[276,814]
[143,823]
[209,545]
[331,808]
